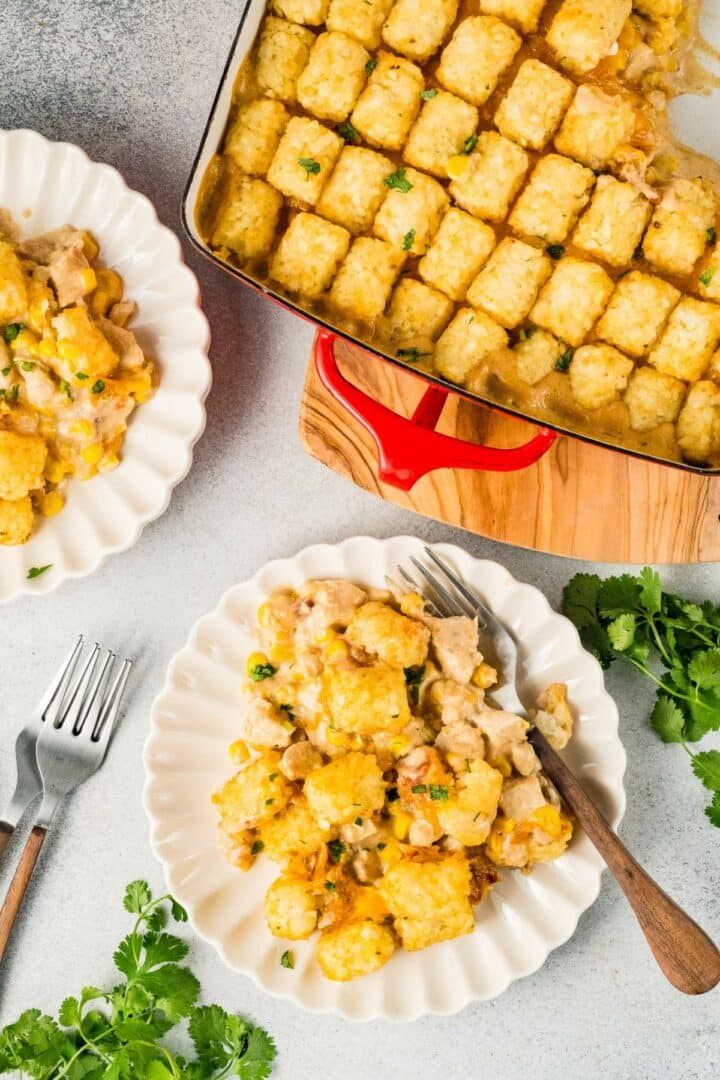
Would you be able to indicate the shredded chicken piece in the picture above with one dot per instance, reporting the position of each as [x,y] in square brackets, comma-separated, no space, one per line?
[455,641]
[525,759]
[451,703]
[421,833]
[66,273]
[124,343]
[363,835]
[367,866]
[503,730]
[462,739]
[122,312]
[299,760]
[264,725]
[521,797]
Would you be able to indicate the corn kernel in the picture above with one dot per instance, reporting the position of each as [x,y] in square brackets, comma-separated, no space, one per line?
[484,676]
[326,637]
[90,246]
[502,764]
[281,654]
[549,820]
[256,659]
[111,283]
[89,279]
[25,342]
[401,825]
[263,614]
[92,454]
[458,166]
[51,504]
[82,427]
[239,752]
[67,351]
[47,348]
[99,302]
[336,650]
[56,471]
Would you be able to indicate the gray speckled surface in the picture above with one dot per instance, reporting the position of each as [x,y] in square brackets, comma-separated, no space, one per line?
[132,82]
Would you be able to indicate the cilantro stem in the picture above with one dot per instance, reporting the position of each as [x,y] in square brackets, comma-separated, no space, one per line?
[669,690]
[659,641]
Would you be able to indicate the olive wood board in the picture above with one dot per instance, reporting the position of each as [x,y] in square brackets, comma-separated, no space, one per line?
[580,500]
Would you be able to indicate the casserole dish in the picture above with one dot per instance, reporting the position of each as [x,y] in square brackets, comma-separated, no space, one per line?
[407,449]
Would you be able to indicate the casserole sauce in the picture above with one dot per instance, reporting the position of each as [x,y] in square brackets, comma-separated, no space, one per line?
[559,381]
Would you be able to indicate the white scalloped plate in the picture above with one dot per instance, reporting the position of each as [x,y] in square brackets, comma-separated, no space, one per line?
[46,185]
[195,718]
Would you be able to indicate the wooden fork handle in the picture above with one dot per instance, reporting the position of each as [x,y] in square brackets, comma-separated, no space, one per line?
[6,832]
[18,885]
[686,955]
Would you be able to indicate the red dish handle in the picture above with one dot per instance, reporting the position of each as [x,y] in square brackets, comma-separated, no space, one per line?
[410,448]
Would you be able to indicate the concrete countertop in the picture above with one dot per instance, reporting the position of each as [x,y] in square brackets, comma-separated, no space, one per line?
[132,82]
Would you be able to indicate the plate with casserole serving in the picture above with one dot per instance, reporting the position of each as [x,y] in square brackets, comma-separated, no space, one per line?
[341,809]
[103,363]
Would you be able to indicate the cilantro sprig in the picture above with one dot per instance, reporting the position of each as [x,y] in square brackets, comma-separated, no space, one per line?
[118,1034]
[674,642]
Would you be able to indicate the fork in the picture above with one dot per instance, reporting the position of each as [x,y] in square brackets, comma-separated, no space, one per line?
[69,733]
[684,952]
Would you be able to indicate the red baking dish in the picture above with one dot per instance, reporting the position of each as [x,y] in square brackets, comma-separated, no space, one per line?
[408,448]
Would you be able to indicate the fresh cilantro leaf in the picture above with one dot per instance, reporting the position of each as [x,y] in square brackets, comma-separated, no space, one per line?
[310,165]
[706,766]
[413,679]
[260,1052]
[419,789]
[38,571]
[156,919]
[137,896]
[260,672]
[704,669]
[555,251]
[618,595]
[707,275]
[174,988]
[428,95]
[580,597]
[347,132]
[69,1012]
[286,960]
[564,360]
[409,239]
[667,720]
[439,792]
[12,330]
[651,591]
[208,1031]
[713,810]
[370,66]
[331,886]
[711,235]
[163,949]
[126,955]
[621,632]
[177,911]
[470,144]
[337,850]
[398,181]
[703,715]
[257,847]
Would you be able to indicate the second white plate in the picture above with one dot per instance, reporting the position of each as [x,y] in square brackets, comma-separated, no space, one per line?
[195,718]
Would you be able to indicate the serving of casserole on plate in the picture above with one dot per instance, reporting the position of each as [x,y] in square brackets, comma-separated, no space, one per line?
[448,829]
[490,192]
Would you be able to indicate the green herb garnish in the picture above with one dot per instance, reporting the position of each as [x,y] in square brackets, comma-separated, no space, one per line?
[286,960]
[12,330]
[438,792]
[7,370]
[122,1032]
[428,95]
[38,571]
[470,144]
[528,332]
[337,850]
[555,251]
[98,387]
[370,66]
[269,802]
[413,680]
[310,165]
[419,789]
[358,821]
[347,132]
[27,365]
[707,276]
[711,235]
[81,375]
[398,181]
[563,362]
[409,239]
[11,395]
[331,886]
[413,355]
[259,672]
[674,642]
[273,776]
[257,847]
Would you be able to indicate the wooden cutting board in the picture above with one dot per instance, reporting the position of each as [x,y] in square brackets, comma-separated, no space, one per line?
[579,500]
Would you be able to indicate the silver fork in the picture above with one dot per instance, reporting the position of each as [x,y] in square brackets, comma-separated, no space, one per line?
[28,784]
[684,952]
[75,723]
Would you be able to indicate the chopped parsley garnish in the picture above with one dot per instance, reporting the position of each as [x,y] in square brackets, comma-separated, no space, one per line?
[12,330]
[358,821]
[392,794]
[273,776]
[409,239]
[310,165]
[12,394]
[262,671]
[288,710]
[370,66]
[81,375]
[470,144]
[337,850]
[555,251]
[711,235]
[286,960]
[331,886]
[438,792]
[269,802]
[428,95]
[7,370]
[98,387]
[707,275]
[419,789]
[413,354]
[398,181]
[467,765]
[413,678]
[528,332]
[38,571]
[347,132]
[27,365]
[563,362]
[257,847]
[381,847]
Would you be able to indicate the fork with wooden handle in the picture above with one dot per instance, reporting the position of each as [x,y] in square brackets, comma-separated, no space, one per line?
[684,952]
[70,747]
